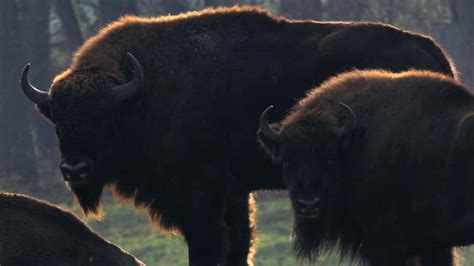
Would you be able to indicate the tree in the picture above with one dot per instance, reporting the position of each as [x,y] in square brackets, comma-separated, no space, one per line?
[70,24]
[36,37]
[17,158]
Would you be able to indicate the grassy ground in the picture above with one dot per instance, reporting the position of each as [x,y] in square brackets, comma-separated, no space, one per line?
[131,230]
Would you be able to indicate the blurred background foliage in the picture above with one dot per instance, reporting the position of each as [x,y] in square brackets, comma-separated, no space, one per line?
[47,32]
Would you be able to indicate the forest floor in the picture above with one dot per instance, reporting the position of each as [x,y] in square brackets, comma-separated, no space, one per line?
[131,230]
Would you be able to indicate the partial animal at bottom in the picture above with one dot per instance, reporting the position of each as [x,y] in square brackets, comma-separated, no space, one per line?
[34,232]
[380,165]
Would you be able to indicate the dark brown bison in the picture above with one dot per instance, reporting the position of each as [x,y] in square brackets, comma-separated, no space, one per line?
[381,164]
[172,124]
[34,232]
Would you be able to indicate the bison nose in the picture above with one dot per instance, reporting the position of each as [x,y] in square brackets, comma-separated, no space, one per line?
[307,207]
[76,172]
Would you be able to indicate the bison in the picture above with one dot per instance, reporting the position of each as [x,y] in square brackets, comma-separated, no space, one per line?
[34,232]
[162,110]
[381,164]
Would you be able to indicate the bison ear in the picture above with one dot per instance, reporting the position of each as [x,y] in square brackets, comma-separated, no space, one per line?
[346,121]
[45,110]
[271,146]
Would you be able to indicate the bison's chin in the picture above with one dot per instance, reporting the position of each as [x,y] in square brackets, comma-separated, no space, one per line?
[88,198]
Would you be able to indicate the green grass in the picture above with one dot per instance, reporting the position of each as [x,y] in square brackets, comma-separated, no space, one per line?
[131,230]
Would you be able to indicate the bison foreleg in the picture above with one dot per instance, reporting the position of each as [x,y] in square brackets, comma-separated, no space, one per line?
[240,218]
[204,245]
[205,231]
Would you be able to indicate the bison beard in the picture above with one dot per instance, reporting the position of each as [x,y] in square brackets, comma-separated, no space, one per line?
[187,132]
[88,197]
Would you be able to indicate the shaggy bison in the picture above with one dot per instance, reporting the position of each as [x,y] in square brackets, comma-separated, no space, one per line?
[33,232]
[381,164]
[163,110]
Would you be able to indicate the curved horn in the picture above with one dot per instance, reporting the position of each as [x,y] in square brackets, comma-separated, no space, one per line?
[349,125]
[129,89]
[265,127]
[37,96]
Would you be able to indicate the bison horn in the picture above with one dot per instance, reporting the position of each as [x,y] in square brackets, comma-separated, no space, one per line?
[349,124]
[129,89]
[37,96]
[265,127]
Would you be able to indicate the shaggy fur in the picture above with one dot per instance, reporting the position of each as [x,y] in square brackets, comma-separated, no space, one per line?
[184,147]
[400,184]
[34,232]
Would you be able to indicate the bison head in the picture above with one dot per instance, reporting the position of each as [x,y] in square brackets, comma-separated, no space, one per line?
[307,144]
[83,107]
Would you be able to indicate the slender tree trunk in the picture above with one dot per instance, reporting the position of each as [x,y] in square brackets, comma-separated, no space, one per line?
[35,31]
[16,153]
[36,37]
[72,32]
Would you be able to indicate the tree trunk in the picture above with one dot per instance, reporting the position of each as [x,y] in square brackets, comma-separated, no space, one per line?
[36,37]
[16,152]
[72,32]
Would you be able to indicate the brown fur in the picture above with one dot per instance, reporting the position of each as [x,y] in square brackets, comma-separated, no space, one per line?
[400,182]
[34,232]
[108,44]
